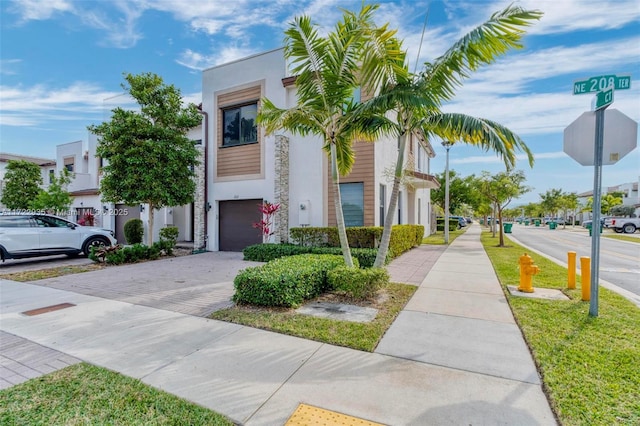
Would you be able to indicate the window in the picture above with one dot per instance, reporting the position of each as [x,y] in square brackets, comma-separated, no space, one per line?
[383,203]
[52,175]
[352,203]
[239,125]
[68,163]
[400,208]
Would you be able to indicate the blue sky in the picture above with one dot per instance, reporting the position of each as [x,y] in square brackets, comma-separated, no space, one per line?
[62,63]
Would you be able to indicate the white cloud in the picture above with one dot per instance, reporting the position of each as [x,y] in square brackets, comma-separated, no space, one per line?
[198,61]
[40,10]
[7,66]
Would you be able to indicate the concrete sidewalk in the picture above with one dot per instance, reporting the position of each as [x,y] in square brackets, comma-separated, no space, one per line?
[453,356]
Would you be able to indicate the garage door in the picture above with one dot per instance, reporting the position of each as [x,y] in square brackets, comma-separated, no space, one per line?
[236,219]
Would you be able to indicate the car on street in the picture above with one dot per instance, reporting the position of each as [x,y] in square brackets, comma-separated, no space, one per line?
[587,223]
[628,225]
[33,234]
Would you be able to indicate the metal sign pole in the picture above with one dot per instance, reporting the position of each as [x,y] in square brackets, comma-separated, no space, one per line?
[595,224]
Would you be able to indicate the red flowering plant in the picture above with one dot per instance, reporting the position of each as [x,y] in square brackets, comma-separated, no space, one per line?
[89,219]
[265,225]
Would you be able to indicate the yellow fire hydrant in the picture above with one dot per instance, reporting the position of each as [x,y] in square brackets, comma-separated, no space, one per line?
[527,271]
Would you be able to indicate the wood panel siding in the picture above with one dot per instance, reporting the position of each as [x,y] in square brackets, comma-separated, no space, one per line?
[241,161]
[362,171]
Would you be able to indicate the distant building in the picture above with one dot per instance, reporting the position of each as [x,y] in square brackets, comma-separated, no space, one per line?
[47,168]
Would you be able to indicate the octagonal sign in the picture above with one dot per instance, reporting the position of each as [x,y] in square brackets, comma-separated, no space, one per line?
[620,137]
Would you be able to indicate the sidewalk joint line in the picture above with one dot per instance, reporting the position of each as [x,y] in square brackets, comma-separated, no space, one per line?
[284,383]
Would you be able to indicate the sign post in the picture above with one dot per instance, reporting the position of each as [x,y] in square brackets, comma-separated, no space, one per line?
[603,86]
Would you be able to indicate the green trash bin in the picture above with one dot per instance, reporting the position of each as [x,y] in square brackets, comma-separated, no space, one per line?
[507,228]
[590,229]
[537,222]
[526,223]
[553,225]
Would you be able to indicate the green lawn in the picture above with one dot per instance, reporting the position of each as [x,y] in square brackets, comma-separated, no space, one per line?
[438,237]
[59,271]
[362,336]
[84,394]
[623,237]
[590,366]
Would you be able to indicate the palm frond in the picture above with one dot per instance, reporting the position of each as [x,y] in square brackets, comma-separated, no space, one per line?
[486,134]
[481,46]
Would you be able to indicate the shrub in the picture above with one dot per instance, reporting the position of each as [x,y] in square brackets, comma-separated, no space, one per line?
[358,283]
[268,252]
[404,238]
[453,224]
[133,231]
[168,239]
[287,282]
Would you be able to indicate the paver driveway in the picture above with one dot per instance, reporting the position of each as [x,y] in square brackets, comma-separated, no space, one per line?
[198,284]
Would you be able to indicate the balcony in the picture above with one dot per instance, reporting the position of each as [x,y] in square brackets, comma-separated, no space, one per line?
[421,180]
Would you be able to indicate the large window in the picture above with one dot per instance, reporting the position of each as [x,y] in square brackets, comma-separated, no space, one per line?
[352,203]
[239,125]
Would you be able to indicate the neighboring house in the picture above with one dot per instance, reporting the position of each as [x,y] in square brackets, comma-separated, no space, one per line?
[82,160]
[47,168]
[245,167]
[630,197]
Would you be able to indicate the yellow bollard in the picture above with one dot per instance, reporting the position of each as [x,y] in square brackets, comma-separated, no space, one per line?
[585,275]
[571,267]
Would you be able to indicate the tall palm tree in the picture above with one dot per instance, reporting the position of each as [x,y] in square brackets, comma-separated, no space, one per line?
[416,100]
[328,70]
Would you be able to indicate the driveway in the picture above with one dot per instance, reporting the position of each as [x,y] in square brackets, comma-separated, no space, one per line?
[10,266]
[197,284]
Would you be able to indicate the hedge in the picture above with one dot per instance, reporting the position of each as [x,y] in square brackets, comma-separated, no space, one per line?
[286,282]
[267,252]
[358,283]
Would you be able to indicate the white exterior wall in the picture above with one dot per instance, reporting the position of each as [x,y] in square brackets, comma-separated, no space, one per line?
[266,69]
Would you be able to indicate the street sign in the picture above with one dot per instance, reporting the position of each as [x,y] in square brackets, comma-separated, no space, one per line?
[620,137]
[603,99]
[600,83]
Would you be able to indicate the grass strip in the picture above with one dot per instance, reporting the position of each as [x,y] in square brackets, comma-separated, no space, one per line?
[438,237]
[42,274]
[361,336]
[628,238]
[84,394]
[590,366]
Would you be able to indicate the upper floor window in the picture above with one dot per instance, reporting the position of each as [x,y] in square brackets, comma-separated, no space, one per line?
[69,163]
[52,175]
[239,125]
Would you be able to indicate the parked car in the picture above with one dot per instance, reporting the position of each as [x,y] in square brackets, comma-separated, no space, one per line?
[628,225]
[587,223]
[25,235]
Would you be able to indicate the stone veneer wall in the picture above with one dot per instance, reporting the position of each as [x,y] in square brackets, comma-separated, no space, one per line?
[199,216]
[282,189]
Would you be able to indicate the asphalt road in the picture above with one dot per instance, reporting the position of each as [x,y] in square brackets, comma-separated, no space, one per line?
[619,260]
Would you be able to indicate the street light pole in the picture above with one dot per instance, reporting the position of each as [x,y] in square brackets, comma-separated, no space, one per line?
[447,146]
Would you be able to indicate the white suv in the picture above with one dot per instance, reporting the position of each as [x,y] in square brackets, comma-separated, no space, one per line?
[33,234]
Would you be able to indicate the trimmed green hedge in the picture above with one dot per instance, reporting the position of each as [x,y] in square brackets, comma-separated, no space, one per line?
[453,224]
[287,281]
[268,252]
[358,283]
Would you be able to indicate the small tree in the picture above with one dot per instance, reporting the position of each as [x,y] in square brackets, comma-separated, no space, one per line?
[22,182]
[56,198]
[500,189]
[265,225]
[133,231]
[621,210]
[149,157]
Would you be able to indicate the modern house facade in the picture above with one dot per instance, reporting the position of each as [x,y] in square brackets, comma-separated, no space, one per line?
[47,168]
[245,167]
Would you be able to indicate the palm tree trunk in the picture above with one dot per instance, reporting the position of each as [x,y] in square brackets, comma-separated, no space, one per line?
[501,227]
[150,236]
[337,200]
[383,248]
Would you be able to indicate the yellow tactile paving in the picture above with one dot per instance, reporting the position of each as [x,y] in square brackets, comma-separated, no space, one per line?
[307,415]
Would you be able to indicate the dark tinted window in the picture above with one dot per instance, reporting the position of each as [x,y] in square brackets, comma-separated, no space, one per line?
[16,222]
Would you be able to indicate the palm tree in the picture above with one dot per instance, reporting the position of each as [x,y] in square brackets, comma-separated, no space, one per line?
[416,100]
[328,70]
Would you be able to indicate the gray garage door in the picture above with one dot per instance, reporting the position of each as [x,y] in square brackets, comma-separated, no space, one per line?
[236,220]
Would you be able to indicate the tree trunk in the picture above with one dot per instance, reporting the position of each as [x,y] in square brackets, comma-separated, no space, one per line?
[150,236]
[383,248]
[501,225]
[342,230]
